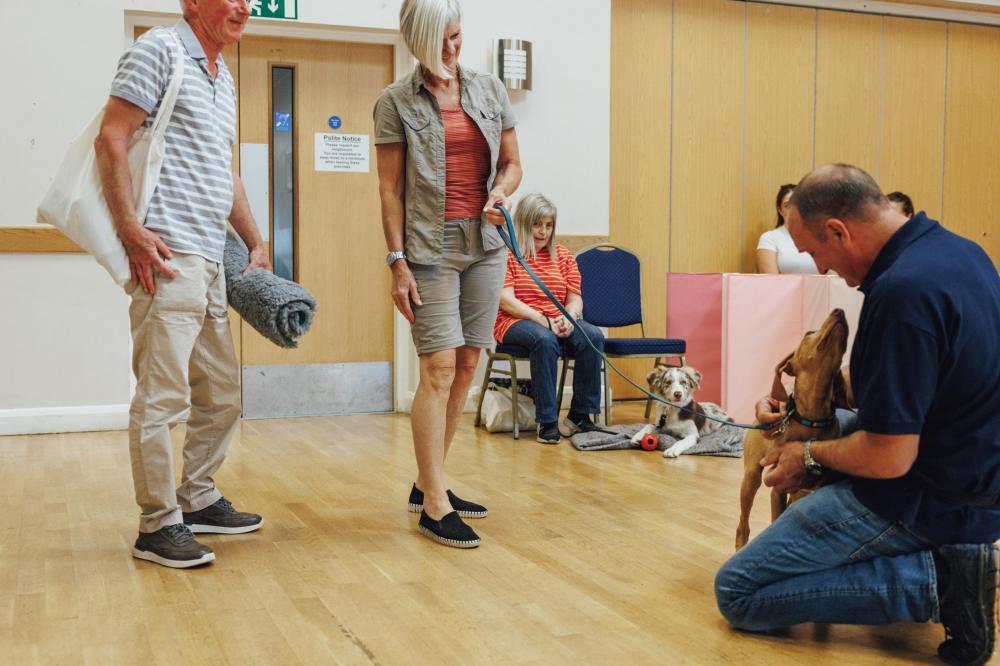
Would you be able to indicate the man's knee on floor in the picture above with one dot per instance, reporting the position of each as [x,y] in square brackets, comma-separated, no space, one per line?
[732,596]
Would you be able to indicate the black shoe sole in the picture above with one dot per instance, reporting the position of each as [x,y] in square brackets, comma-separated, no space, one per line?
[150,556]
[417,508]
[449,542]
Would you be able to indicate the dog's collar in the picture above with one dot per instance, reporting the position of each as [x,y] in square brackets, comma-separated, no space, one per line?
[793,414]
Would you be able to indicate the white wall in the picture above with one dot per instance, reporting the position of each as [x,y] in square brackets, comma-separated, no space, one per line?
[64,342]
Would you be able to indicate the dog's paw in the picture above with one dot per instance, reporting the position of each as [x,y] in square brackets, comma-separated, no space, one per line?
[673,452]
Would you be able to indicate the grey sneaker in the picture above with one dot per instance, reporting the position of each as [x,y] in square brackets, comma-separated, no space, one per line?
[548,433]
[968,602]
[172,546]
[222,518]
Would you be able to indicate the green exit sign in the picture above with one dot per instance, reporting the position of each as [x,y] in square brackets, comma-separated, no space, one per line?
[273,9]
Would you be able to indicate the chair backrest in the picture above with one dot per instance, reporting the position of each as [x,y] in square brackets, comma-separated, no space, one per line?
[611,283]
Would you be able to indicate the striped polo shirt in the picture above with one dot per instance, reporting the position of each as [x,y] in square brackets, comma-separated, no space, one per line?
[560,276]
[194,195]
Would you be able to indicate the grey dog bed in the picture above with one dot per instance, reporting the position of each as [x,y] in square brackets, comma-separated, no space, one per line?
[726,441]
[279,309]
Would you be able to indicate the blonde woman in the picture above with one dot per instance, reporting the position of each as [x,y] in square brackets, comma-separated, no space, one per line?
[447,153]
[529,319]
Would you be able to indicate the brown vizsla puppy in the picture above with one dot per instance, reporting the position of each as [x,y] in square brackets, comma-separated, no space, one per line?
[810,413]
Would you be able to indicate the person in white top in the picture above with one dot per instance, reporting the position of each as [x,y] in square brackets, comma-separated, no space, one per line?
[776,251]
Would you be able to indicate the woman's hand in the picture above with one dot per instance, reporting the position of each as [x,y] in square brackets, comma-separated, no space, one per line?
[404,288]
[492,213]
[770,411]
[562,327]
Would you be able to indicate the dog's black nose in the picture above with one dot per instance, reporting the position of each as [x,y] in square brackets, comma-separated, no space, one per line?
[678,396]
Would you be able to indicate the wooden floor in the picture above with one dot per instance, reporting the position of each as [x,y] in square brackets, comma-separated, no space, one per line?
[587,558]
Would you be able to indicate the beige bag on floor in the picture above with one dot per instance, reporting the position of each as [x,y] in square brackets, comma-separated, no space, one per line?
[497,410]
[75,202]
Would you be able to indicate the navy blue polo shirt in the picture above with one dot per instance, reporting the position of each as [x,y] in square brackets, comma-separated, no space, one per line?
[926,360]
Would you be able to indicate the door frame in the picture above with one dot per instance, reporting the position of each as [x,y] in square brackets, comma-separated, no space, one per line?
[405,362]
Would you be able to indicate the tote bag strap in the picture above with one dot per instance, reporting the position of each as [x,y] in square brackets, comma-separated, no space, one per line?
[173,88]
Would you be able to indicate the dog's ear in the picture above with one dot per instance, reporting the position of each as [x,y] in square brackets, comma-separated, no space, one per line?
[653,374]
[693,375]
[785,366]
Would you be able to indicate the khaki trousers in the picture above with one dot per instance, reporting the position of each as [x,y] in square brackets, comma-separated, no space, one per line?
[181,346]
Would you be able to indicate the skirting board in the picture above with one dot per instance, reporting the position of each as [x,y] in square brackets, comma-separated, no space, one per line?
[45,420]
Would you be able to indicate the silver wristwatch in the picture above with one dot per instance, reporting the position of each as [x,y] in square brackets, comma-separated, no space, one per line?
[812,466]
[393,257]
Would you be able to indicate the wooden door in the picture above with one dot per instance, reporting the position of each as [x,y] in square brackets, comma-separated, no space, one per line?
[338,241]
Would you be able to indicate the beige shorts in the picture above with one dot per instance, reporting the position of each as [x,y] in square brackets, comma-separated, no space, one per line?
[460,294]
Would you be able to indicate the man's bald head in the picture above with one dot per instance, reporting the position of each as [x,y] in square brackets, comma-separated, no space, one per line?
[838,191]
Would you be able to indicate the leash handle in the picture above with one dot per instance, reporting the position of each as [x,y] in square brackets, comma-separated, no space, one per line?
[509,236]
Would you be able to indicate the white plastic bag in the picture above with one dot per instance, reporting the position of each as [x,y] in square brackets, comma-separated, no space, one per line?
[497,410]
[75,202]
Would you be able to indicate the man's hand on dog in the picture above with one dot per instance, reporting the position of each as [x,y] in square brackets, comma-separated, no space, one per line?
[785,469]
[769,412]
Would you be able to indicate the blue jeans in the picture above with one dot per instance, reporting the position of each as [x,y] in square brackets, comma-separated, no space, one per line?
[546,349]
[828,558]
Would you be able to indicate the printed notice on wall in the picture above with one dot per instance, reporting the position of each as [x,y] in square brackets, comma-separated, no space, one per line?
[342,152]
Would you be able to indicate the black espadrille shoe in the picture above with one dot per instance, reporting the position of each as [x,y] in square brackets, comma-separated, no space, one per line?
[465,508]
[450,530]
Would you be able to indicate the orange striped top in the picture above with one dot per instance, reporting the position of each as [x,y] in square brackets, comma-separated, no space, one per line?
[466,165]
[560,276]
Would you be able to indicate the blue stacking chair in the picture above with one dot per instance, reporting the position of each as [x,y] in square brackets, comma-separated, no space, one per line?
[611,282]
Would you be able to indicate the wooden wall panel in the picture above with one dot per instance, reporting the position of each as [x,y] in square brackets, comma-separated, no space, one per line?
[781,66]
[640,157]
[971,182]
[707,146]
[913,111]
[848,89]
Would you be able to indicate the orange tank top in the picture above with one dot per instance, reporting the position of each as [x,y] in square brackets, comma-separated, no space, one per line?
[467,165]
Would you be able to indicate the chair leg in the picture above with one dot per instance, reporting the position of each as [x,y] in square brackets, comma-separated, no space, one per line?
[607,394]
[482,391]
[562,385]
[513,398]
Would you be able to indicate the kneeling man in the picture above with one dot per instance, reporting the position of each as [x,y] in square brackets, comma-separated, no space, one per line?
[907,535]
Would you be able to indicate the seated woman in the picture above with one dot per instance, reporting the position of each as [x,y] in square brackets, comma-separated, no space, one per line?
[527,318]
[901,202]
[776,251]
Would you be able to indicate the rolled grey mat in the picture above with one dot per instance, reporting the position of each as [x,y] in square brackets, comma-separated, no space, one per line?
[279,309]
[726,441]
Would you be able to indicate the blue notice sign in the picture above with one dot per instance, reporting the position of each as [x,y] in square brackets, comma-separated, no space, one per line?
[334,122]
[282,122]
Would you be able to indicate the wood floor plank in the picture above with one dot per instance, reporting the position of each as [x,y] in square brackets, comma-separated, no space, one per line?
[587,558]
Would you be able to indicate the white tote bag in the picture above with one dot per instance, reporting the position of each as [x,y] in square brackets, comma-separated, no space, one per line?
[498,410]
[75,202]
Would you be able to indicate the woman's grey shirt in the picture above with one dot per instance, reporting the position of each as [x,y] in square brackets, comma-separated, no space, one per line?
[407,112]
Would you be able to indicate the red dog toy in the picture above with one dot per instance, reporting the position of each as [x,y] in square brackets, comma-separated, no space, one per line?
[650,442]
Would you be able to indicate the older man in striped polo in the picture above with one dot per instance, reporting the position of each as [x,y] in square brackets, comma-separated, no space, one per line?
[180,331]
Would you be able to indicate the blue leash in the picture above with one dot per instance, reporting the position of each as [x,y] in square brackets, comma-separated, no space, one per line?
[509,237]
